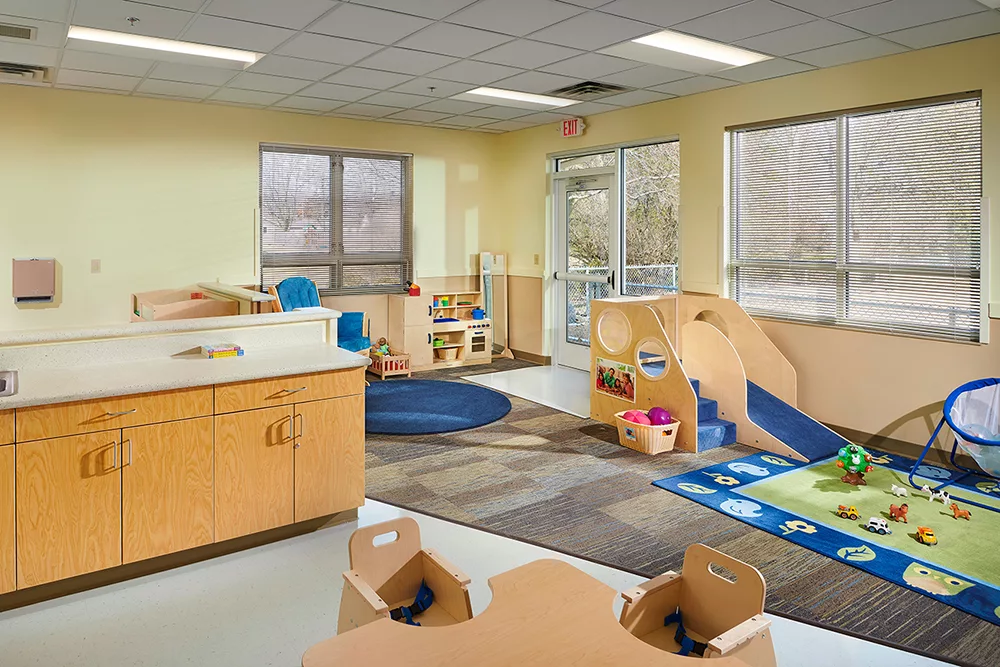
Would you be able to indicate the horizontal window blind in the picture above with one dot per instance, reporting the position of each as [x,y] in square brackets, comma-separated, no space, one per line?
[867,220]
[341,219]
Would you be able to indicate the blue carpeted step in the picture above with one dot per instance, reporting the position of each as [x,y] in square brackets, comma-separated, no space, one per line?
[715,433]
[707,409]
[696,385]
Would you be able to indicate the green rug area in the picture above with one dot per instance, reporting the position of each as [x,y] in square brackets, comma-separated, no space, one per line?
[814,492]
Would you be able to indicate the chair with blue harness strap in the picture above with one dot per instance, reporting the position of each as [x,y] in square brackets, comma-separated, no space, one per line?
[401,581]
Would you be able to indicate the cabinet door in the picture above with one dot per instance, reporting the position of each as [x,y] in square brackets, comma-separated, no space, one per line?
[68,507]
[6,427]
[254,472]
[166,488]
[329,456]
[7,578]
[417,344]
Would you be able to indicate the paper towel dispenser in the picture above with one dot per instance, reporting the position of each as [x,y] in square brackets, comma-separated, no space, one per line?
[34,280]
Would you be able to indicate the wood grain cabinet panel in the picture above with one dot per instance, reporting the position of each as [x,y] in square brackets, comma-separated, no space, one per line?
[254,472]
[8,579]
[60,419]
[6,427]
[167,494]
[68,507]
[287,390]
[329,456]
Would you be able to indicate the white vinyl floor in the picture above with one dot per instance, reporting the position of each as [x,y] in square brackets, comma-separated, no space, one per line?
[558,387]
[266,606]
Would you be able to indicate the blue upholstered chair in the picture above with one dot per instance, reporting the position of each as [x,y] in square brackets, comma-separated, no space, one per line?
[297,292]
[352,333]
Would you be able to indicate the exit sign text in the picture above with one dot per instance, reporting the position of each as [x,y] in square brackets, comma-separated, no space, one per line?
[573,127]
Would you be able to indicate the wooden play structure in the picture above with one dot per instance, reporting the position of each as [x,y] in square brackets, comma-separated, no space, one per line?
[544,613]
[394,571]
[735,363]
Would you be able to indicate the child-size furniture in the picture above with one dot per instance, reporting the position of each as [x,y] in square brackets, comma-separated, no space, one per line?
[177,304]
[394,363]
[415,321]
[387,577]
[352,333]
[295,292]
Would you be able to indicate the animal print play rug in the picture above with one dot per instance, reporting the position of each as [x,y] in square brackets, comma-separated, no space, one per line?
[800,502]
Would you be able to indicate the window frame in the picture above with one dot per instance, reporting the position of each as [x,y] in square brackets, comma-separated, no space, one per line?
[842,268]
[337,259]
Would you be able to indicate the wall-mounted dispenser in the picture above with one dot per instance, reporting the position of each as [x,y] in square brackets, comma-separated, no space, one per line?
[34,280]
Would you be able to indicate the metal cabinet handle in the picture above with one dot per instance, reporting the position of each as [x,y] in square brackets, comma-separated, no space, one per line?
[302,424]
[119,414]
[295,391]
[114,456]
[129,441]
[291,428]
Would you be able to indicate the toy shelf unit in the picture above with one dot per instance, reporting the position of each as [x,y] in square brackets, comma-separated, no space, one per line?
[180,304]
[441,330]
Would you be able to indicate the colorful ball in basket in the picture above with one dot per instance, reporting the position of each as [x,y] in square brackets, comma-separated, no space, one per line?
[637,417]
[659,416]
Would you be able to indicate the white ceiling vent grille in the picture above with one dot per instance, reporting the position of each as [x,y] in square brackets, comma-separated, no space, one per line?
[13,72]
[589,90]
[16,31]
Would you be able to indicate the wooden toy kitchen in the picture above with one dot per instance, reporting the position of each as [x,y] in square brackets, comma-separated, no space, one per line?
[441,330]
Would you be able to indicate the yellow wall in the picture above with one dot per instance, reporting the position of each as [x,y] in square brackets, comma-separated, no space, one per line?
[165,193]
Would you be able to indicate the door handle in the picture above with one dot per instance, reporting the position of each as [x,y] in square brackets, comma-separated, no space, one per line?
[291,428]
[611,279]
[114,456]
[302,424]
[129,441]
[429,311]
[295,391]
[119,414]
[428,339]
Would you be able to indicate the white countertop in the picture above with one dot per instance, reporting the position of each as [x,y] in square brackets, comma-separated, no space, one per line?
[61,385]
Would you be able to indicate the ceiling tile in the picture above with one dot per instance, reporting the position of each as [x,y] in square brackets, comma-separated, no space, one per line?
[527,54]
[194,91]
[766,69]
[470,71]
[591,66]
[694,85]
[186,5]
[466,121]
[440,88]
[72,77]
[297,68]
[746,20]
[47,33]
[952,30]
[92,89]
[507,126]
[453,40]
[849,52]
[368,24]
[665,14]
[309,104]
[111,14]
[589,4]
[296,14]
[282,109]
[28,54]
[589,108]
[829,7]
[406,61]
[191,74]
[333,91]
[101,62]
[514,17]
[267,83]
[419,116]
[647,75]
[536,82]
[370,78]
[432,9]
[500,113]
[812,35]
[328,49]
[46,10]
[452,106]
[592,30]
[634,97]
[247,96]
[397,99]
[367,110]
[544,117]
[900,14]
[236,34]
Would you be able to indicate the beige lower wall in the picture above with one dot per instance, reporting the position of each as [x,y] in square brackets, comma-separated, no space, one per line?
[526,308]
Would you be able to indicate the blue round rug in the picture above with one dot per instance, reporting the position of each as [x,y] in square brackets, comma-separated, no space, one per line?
[412,407]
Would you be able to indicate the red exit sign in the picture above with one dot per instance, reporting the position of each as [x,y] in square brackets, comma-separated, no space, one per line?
[573,127]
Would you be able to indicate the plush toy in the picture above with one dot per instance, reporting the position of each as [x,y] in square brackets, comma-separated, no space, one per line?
[382,347]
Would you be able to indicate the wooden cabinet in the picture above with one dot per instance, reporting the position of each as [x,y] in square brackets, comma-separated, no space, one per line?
[8,579]
[6,427]
[68,507]
[254,472]
[329,456]
[288,390]
[167,494]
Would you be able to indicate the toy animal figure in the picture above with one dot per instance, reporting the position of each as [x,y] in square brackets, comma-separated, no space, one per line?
[941,495]
[898,513]
[959,513]
[899,491]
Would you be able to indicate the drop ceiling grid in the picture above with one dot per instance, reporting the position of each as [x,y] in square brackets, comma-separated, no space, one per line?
[461,41]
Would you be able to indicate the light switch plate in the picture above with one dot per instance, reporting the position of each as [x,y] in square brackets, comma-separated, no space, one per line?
[8,383]
[95,266]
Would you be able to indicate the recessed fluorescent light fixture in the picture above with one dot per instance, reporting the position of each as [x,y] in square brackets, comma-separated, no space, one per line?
[157,44]
[518,96]
[701,48]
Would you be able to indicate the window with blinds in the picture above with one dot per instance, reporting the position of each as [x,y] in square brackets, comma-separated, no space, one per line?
[342,219]
[869,220]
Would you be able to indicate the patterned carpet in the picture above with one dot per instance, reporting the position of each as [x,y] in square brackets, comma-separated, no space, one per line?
[550,478]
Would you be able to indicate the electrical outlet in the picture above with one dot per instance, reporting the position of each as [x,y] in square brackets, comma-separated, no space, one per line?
[536,259]
[95,266]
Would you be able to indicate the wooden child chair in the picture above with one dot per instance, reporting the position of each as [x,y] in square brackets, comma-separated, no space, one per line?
[396,571]
[711,615]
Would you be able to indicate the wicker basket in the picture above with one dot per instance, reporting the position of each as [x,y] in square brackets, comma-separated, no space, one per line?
[446,353]
[646,439]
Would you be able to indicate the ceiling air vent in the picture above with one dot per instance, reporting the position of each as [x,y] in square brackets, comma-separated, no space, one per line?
[589,90]
[16,31]
[14,72]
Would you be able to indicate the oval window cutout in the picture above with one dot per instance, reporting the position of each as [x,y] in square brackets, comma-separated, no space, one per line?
[614,331]
[652,359]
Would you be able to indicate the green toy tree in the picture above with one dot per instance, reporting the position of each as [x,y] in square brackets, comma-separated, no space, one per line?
[856,462]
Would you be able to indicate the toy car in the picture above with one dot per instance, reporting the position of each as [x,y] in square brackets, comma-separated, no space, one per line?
[880,526]
[926,536]
[848,512]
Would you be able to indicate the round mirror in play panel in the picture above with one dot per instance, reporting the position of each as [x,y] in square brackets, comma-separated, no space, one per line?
[652,359]
[614,331]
